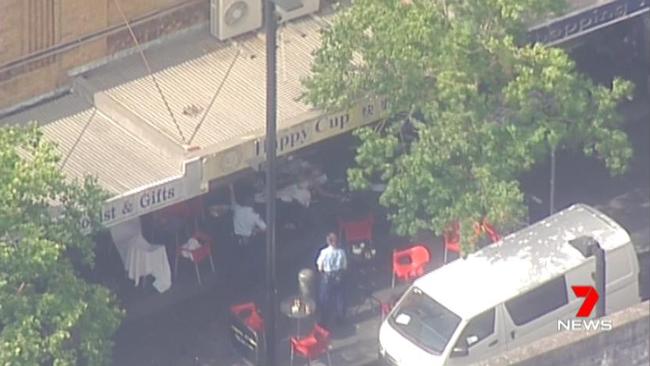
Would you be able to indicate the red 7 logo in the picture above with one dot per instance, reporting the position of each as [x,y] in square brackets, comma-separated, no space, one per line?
[591,298]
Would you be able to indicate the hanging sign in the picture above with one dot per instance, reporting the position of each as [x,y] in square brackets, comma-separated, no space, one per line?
[311,130]
[150,198]
[586,21]
[133,205]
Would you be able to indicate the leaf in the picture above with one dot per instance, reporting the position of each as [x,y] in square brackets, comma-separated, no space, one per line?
[44,300]
[487,108]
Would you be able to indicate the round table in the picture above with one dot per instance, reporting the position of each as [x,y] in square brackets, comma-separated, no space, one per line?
[297,307]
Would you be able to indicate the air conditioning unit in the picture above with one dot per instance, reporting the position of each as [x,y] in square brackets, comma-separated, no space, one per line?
[230,18]
[308,7]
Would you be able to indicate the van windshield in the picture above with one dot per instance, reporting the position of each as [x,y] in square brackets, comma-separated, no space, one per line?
[424,321]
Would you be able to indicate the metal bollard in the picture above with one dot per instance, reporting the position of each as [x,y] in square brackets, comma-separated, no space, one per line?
[306,283]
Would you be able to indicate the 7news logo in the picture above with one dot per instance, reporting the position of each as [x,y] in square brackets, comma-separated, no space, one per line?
[588,305]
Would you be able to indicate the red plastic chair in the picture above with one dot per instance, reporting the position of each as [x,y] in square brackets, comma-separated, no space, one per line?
[250,315]
[197,255]
[312,346]
[357,231]
[410,263]
[451,239]
[491,232]
[385,308]
[452,236]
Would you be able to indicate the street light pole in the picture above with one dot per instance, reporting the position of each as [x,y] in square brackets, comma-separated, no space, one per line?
[551,200]
[271,115]
[271,25]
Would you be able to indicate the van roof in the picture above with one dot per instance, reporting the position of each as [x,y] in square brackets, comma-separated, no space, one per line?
[520,261]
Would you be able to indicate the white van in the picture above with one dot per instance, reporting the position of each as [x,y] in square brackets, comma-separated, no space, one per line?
[509,293]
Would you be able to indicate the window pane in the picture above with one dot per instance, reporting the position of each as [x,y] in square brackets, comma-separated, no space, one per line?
[481,326]
[424,321]
[538,302]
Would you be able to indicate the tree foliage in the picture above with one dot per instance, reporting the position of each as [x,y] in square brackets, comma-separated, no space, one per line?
[471,106]
[49,315]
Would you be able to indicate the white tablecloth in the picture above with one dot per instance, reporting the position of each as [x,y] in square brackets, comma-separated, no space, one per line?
[140,258]
[288,194]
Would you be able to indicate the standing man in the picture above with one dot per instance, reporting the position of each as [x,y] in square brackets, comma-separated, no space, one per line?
[247,223]
[331,263]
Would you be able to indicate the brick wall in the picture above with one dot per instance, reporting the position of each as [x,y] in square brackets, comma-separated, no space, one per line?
[41,40]
[626,344]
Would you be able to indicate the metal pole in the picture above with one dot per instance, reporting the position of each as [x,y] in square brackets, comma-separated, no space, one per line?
[600,279]
[552,193]
[271,115]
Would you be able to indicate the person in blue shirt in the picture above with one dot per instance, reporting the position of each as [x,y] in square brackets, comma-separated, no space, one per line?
[331,263]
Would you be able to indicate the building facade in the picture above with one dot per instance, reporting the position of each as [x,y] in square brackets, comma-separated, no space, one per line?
[149,150]
[46,42]
[43,41]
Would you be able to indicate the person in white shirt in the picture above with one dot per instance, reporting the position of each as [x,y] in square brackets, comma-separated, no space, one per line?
[246,225]
[246,222]
[331,263]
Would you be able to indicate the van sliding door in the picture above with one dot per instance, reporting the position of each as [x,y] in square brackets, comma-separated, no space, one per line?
[534,314]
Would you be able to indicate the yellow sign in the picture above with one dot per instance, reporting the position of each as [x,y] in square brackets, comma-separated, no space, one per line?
[303,134]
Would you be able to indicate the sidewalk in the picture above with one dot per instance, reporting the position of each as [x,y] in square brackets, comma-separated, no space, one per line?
[196,331]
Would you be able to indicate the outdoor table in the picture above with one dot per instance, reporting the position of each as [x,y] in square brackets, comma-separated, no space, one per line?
[387,298]
[298,308]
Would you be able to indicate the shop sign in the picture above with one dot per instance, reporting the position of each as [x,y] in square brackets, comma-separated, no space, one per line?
[129,206]
[147,199]
[253,152]
[572,26]
[306,135]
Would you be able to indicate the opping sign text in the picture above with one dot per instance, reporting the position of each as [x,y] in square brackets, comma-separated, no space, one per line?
[572,26]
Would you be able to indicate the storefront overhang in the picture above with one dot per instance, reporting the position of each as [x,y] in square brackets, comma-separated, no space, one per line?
[595,15]
[216,94]
[139,175]
[303,131]
[152,197]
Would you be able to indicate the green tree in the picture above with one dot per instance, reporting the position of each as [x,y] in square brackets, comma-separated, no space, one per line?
[49,315]
[471,106]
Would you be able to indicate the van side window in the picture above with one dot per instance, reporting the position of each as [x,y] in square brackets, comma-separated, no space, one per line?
[538,302]
[479,328]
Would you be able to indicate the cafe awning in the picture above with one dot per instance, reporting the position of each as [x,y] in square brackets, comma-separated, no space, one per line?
[92,144]
[140,176]
[149,158]
[216,92]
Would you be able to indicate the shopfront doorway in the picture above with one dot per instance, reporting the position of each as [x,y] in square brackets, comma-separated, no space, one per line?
[619,50]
